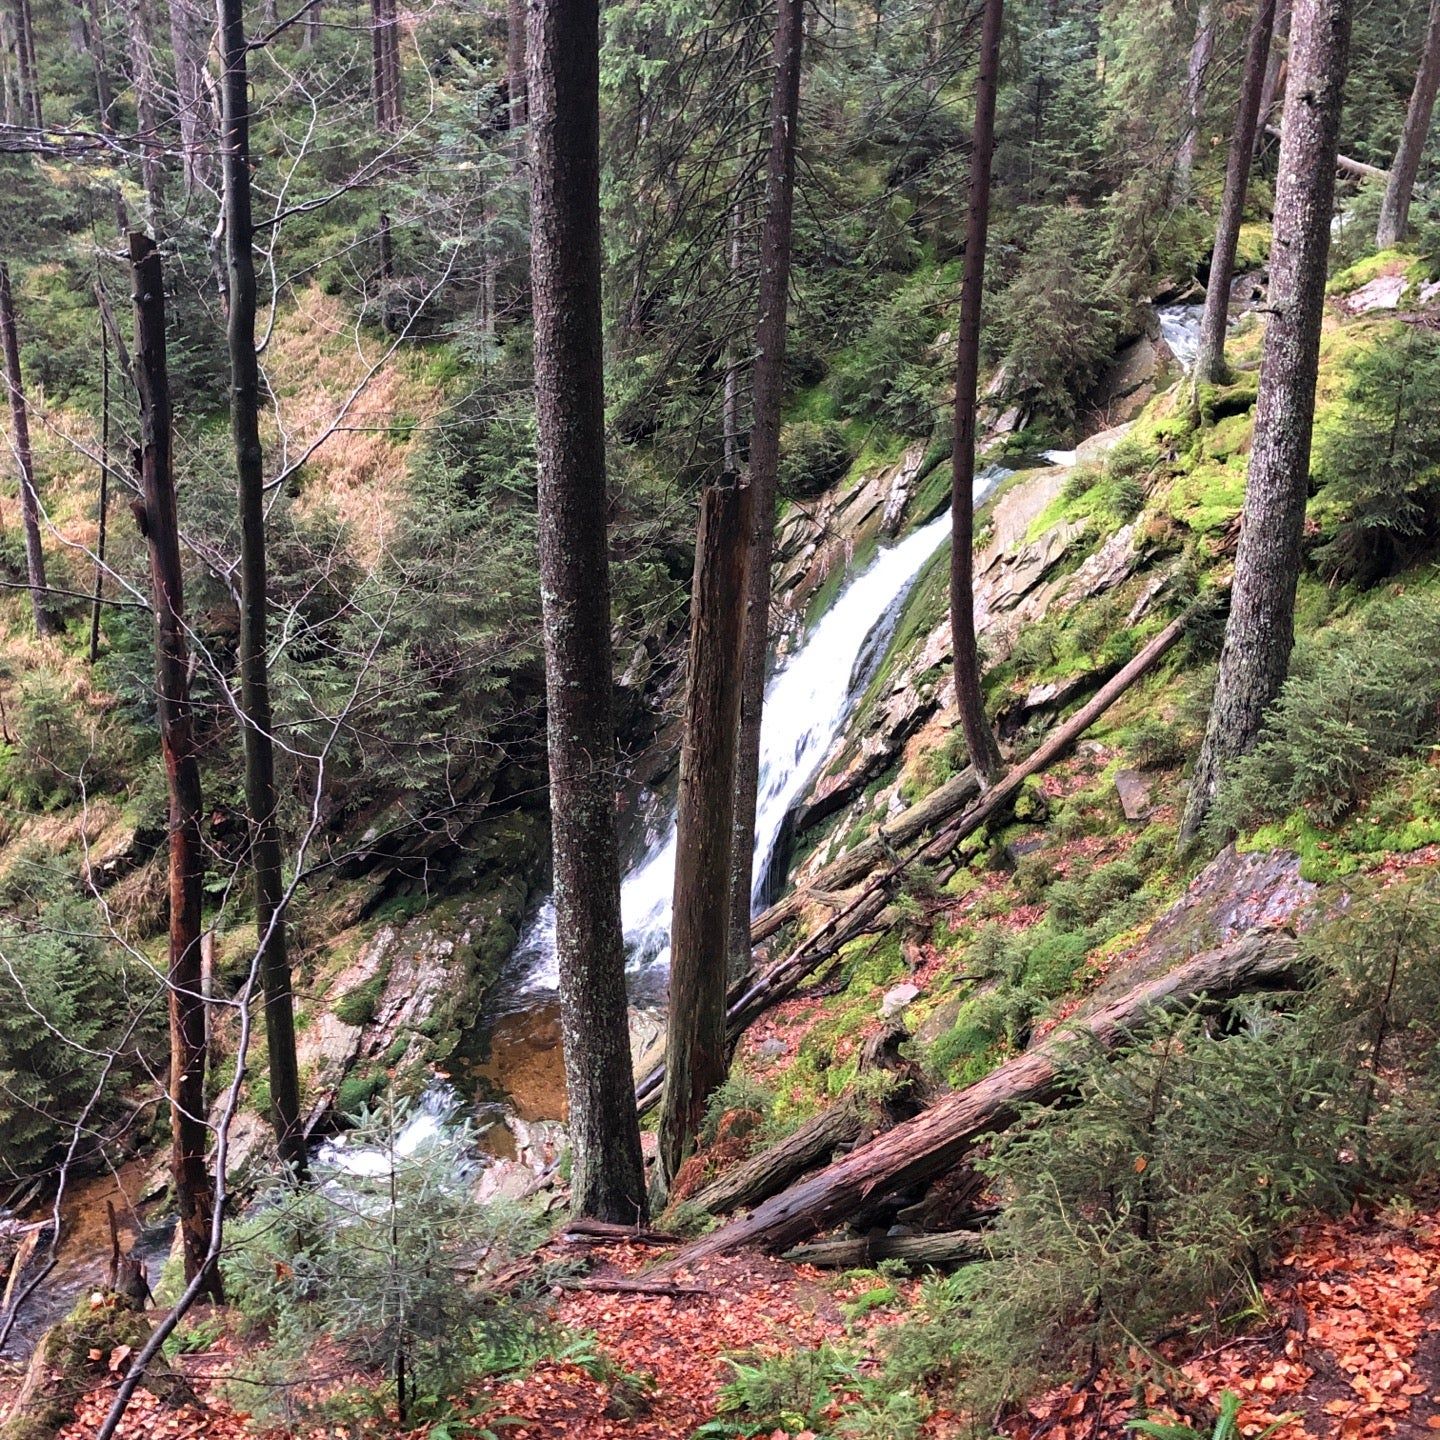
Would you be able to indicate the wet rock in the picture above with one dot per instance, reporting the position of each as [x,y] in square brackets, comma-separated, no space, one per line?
[901,485]
[771,1048]
[1382,293]
[1233,894]
[897,998]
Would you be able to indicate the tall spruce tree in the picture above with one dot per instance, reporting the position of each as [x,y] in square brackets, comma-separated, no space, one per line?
[969,696]
[1260,631]
[607,1177]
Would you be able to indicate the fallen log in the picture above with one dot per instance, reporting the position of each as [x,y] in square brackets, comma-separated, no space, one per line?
[939,1138]
[816,1141]
[840,874]
[772,1170]
[1344,164]
[938,1252]
[753,996]
[607,1231]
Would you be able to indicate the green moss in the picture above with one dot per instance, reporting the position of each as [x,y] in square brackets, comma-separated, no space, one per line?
[357,1006]
[1373,267]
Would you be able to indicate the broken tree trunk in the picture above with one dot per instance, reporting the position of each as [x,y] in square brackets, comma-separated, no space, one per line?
[940,1137]
[952,1247]
[780,980]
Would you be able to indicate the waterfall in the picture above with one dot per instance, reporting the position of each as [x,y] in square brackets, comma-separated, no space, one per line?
[1180,329]
[807,703]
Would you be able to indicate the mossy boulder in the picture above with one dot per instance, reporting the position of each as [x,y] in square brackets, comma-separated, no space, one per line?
[98,1336]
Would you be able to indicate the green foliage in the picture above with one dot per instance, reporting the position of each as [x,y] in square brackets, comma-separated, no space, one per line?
[1379,462]
[1227,1424]
[813,456]
[1359,697]
[59,747]
[788,1392]
[378,1257]
[67,996]
[1188,1157]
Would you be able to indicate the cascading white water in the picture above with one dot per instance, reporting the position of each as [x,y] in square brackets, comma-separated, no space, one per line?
[1180,329]
[807,702]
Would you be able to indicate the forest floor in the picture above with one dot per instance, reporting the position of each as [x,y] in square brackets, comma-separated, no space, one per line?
[1343,1341]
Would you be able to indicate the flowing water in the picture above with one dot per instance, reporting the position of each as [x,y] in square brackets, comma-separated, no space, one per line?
[807,703]
[1180,329]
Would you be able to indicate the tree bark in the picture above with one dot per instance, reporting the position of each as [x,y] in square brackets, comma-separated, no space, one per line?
[190,37]
[194,1195]
[93,26]
[30,106]
[1274,70]
[255,709]
[939,1138]
[1201,53]
[152,169]
[919,1252]
[1210,363]
[768,381]
[775,1167]
[607,1179]
[1395,208]
[24,460]
[388,92]
[102,507]
[1261,629]
[969,694]
[699,934]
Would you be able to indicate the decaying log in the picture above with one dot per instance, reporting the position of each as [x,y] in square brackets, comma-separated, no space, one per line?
[752,997]
[940,1137]
[816,1141]
[856,864]
[772,1170]
[952,1247]
[601,1231]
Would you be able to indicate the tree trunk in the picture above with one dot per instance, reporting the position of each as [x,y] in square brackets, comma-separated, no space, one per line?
[1210,363]
[515,63]
[699,936]
[918,1252]
[147,114]
[937,1139]
[1274,70]
[1261,629]
[93,25]
[190,37]
[310,36]
[256,722]
[24,460]
[194,1196]
[607,1179]
[768,380]
[102,507]
[969,694]
[1395,209]
[1201,53]
[30,106]
[385,55]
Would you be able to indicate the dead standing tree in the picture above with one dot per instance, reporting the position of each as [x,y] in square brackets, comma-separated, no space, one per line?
[24,458]
[156,517]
